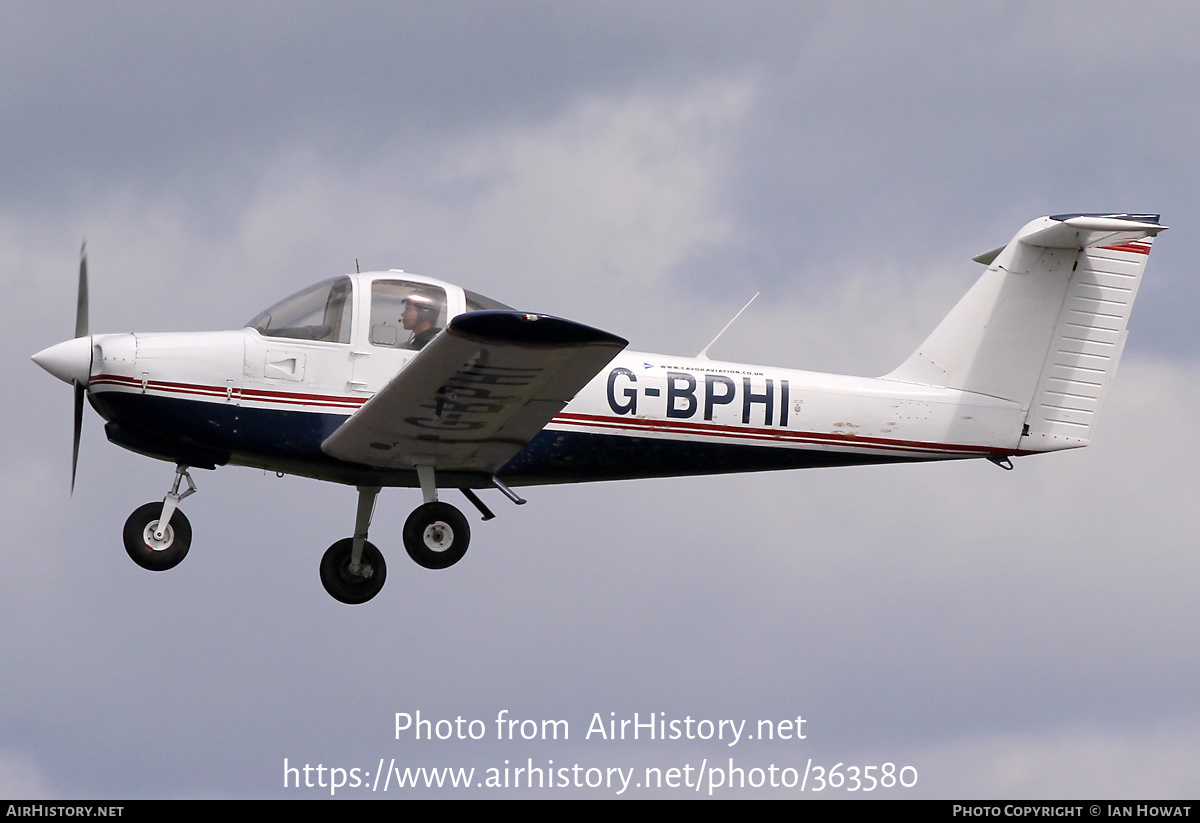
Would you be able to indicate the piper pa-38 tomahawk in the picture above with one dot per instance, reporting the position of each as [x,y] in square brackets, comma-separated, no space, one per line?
[392,379]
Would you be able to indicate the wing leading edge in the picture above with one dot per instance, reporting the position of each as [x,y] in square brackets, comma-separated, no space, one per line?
[476,394]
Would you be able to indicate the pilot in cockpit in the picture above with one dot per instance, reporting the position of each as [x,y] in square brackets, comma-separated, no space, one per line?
[419,317]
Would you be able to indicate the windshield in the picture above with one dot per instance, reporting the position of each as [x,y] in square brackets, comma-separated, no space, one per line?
[321,312]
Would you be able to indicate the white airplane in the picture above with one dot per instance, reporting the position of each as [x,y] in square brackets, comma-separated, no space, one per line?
[392,379]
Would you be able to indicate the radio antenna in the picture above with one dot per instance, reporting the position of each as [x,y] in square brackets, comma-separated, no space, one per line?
[703,355]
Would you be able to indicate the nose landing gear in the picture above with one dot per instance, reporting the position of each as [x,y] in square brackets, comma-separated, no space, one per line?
[157,535]
[151,552]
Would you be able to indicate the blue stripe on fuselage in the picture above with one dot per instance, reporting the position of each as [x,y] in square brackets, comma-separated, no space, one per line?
[290,441]
[555,456]
[287,434]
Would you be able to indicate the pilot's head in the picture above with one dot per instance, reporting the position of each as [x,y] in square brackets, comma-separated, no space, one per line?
[420,312]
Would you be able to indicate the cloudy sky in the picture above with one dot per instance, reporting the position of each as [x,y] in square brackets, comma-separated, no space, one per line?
[645,168]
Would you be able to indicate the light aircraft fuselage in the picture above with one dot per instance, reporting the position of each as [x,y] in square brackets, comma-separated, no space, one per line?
[645,415]
[394,379]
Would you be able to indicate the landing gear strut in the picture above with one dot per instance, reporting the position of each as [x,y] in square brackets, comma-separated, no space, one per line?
[158,535]
[353,570]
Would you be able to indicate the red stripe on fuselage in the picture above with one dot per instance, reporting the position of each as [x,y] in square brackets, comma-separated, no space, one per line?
[626,425]
[258,395]
[770,435]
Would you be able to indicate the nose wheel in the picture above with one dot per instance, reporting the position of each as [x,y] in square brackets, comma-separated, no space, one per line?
[157,535]
[147,548]
[436,535]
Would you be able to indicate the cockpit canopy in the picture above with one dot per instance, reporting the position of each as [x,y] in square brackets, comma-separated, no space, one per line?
[404,313]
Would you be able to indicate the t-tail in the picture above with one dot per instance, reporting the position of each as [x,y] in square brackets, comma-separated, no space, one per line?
[1045,325]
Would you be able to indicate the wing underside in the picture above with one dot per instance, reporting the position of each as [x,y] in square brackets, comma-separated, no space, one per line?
[476,394]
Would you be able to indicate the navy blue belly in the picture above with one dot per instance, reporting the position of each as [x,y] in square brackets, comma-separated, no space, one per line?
[204,434]
[574,457]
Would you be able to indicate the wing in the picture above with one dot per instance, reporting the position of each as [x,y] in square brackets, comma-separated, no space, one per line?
[476,394]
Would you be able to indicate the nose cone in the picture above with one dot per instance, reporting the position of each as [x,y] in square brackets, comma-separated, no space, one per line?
[69,361]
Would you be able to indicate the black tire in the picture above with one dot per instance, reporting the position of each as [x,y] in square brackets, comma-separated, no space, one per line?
[436,535]
[352,588]
[157,556]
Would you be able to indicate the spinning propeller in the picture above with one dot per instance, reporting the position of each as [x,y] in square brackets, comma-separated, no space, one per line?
[71,360]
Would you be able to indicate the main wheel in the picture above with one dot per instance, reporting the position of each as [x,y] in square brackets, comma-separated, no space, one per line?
[149,552]
[436,535]
[350,588]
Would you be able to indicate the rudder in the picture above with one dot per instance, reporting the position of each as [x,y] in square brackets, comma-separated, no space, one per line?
[1089,336]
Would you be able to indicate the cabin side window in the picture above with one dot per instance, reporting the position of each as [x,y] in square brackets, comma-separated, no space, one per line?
[406,315]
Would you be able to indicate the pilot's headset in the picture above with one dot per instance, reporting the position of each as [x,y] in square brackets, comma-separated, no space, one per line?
[427,308]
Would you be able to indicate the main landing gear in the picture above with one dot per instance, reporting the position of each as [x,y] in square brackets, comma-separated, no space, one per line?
[353,570]
[350,581]
[436,536]
[158,535]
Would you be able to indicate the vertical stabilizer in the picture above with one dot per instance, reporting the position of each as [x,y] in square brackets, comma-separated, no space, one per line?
[1046,323]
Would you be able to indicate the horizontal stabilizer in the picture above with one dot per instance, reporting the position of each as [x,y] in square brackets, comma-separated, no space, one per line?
[1081,231]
